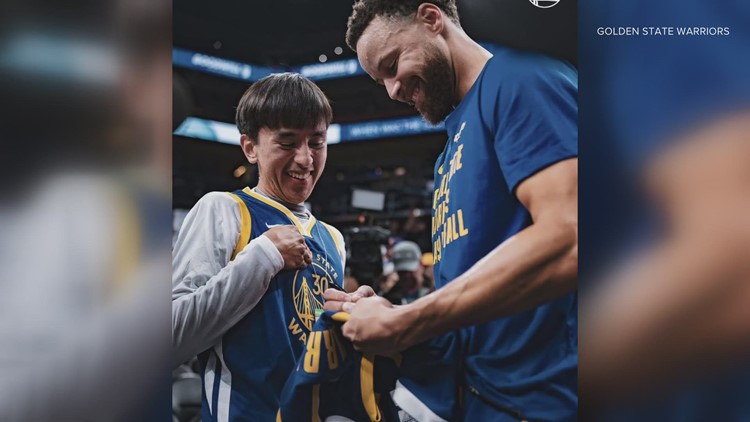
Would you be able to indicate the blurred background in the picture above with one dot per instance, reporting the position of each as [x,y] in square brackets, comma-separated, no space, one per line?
[85,210]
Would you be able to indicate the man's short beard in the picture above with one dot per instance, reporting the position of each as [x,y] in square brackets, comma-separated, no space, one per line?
[438,95]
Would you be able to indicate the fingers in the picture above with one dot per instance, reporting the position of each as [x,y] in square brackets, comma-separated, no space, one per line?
[348,331]
[336,300]
[331,305]
[304,250]
[298,257]
[277,233]
[291,244]
[338,306]
[306,257]
[333,300]
[336,295]
[361,292]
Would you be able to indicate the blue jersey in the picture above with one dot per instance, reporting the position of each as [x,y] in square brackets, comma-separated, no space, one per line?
[334,380]
[519,117]
[245,373]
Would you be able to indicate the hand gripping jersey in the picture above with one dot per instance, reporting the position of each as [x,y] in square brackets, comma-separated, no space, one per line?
[245,373]
[519,117]
[333,382]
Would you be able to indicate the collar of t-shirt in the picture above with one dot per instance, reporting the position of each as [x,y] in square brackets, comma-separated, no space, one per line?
[299,211]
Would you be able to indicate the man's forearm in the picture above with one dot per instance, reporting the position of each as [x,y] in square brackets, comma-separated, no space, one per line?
[535,266]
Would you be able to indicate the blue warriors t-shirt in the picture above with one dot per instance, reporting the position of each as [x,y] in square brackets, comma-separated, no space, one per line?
[519,117]
[245,373]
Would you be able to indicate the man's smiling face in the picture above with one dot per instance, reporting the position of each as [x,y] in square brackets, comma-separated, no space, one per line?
[402,55]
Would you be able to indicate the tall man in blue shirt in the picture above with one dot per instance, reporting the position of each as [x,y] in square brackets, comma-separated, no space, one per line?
[505,213]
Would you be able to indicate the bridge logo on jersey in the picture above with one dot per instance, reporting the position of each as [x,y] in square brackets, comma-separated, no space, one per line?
[307,288]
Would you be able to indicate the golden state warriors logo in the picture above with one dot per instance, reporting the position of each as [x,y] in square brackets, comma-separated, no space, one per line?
[544,4]
[307,294]
[308,288]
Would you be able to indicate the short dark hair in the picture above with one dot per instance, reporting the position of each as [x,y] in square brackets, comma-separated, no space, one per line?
[282,100]
[364,11]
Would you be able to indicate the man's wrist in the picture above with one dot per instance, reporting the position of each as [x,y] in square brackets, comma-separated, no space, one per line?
[413,323]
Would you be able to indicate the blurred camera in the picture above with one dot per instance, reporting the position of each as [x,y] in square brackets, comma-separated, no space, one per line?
[365,252]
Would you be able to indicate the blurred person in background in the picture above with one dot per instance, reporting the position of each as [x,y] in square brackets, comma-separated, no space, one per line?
[416,228]
[409,274]
[505,216]
[250,267]
[85,241]
[386,282]
[665,334]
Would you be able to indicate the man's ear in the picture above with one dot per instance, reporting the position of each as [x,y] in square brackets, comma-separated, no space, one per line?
[249,148]
[431,16]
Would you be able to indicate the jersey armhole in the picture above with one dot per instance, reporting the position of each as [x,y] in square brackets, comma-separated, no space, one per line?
[335,239]
[246,225]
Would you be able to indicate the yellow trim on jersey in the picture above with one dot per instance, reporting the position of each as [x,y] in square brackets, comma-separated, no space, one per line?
[366,383]
[315,402]
[246,225]
[340,316]
[332,231]
[278,416]
[285,210]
